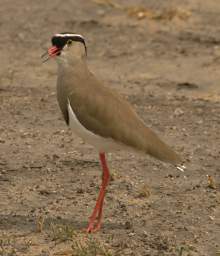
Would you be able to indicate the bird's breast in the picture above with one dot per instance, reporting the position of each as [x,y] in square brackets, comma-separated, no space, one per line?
[100,143]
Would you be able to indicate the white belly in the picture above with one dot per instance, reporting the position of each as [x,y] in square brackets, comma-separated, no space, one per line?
[100,143]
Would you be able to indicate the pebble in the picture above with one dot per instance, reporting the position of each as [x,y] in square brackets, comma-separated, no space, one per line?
[178,112]
[128,225]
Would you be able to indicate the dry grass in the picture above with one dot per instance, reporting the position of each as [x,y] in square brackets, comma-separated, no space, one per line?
[88,246]
[218,253]
[211,182]
[61,233]
[144,192]
[6,247]
[141,12]
[10,246]
[186,250]
[81,244]
[110,3]
[40,223]
[168,15]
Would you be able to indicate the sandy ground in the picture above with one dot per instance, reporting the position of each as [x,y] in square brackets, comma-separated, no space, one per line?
[164,57]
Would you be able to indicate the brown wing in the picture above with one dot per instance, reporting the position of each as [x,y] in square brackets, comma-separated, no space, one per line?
[106,113]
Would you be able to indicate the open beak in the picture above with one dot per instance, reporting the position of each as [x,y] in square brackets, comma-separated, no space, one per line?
[51,52]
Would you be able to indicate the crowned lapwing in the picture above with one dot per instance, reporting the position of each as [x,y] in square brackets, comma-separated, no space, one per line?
[97,114]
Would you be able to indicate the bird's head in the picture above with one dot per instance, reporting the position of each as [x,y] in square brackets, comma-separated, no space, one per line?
[66,47]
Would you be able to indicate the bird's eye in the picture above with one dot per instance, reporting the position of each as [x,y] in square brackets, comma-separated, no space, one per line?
[69,42]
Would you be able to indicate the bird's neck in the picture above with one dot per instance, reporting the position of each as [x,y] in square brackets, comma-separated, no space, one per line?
[73,65]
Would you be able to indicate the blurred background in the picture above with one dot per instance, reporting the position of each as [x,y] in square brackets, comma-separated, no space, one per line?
[164,57]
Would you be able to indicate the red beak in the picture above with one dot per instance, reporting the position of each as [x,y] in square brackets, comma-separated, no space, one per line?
[51,52]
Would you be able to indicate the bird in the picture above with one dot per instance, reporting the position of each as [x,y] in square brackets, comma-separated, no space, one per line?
[98,114]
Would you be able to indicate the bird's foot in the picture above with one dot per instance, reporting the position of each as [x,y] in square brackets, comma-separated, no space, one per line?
[93,227]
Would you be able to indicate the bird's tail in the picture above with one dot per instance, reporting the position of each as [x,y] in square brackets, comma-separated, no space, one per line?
[160,150]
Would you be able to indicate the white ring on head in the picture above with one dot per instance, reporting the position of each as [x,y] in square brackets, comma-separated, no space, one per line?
[65,35]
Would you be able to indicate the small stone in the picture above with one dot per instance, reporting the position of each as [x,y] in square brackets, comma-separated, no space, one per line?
[79,191]
[2,140]
[128,225]
[178,112]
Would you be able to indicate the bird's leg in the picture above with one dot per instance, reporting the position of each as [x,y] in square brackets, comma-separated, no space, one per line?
[99,217]
[95,222]
[97,212]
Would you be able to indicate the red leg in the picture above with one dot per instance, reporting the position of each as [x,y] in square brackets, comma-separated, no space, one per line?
[97,212]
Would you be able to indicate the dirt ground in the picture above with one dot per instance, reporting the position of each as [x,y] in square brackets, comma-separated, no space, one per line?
[164,57]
